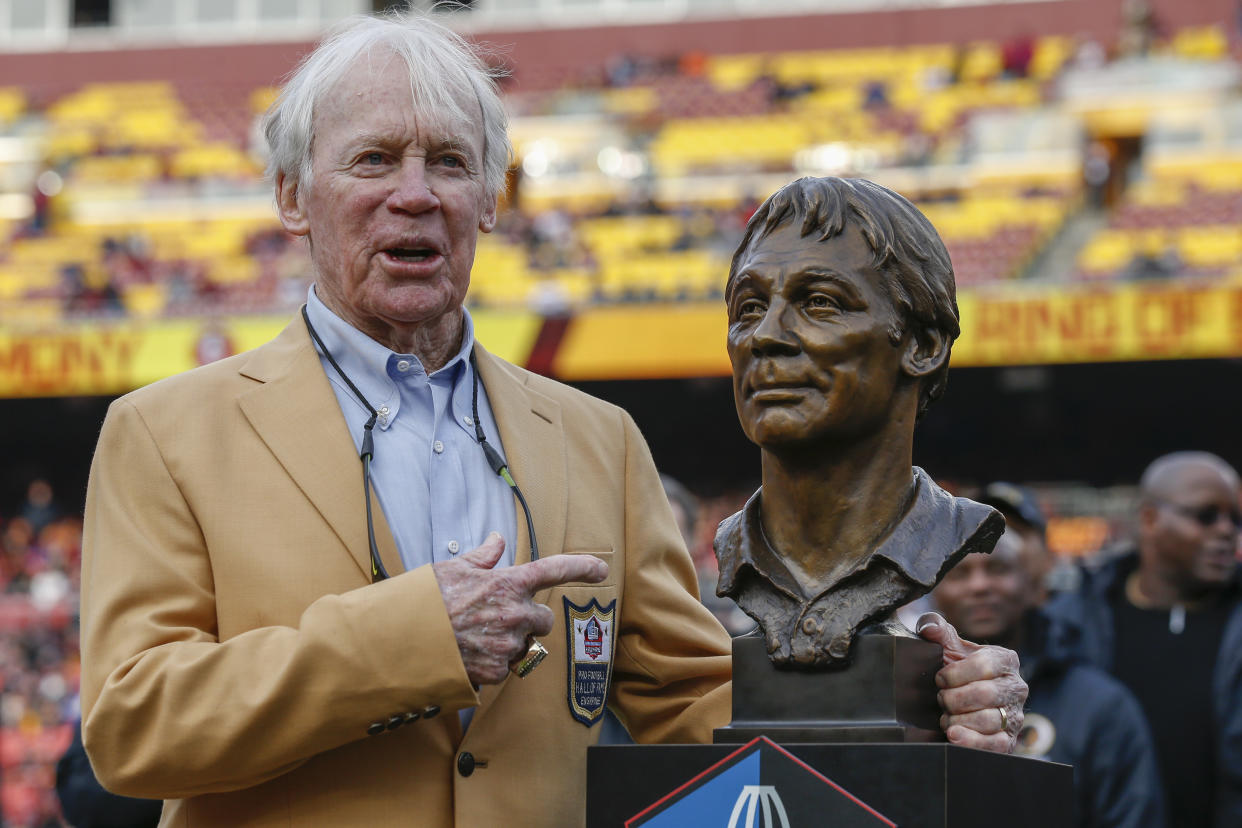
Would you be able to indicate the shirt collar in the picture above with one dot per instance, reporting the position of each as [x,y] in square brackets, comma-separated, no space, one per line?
[935,525]
[366,362]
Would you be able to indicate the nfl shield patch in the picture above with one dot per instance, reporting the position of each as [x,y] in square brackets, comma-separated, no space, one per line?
[590,630]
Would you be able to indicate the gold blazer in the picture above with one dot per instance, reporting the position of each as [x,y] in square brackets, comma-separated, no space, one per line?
[235,652]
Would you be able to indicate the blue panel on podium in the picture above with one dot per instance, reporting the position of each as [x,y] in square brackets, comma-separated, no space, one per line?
[760,785]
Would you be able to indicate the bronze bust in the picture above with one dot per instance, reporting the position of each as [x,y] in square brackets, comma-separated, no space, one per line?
[842,314]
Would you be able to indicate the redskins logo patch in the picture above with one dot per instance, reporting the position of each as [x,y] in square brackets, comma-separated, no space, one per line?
[1037,737]
[590,630]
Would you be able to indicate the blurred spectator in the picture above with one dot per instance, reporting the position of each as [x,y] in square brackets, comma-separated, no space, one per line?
[1149,265]
[1024,516]
[1139,28]
[1076,713]
[1097,170]
[40,507]
[875,95]
[38,655]
[1016,54]
[1089,54]
[686,512]
[86,804]
[1165,617]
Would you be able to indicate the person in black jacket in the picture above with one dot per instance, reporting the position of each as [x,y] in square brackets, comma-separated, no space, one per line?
[1164,616]
[1076,714]
[84,802]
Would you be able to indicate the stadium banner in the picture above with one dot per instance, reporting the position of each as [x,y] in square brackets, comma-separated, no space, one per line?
[118,356]
[1001,325]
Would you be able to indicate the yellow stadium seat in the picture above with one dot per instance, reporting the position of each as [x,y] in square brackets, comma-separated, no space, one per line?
[145,301]
[12,104]
[1219,246]
[214,159]
[262,98]
[1203,43]
[1108,251]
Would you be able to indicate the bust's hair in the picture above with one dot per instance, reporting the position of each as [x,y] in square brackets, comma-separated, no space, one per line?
[906,247]
[449,82]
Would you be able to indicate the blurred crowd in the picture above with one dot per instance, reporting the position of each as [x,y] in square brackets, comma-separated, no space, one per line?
[40,550]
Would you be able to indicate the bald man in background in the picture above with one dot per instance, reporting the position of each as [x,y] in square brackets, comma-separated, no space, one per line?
[1165,618]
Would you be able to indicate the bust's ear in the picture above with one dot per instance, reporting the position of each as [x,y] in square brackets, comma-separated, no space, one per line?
[926,352]
[289,206]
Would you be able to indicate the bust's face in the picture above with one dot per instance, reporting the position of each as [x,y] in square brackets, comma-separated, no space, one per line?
[809,326]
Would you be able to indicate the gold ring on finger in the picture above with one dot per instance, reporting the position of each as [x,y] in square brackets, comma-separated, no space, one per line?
[535,654]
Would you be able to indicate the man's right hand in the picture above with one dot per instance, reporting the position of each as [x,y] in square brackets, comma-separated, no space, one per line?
[493,610]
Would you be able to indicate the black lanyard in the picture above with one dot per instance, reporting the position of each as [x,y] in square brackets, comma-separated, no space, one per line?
[378,572]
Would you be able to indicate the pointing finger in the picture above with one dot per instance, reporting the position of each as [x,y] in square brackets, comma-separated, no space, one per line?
[560,569]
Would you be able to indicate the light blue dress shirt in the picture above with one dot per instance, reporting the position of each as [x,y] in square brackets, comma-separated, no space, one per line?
[439,495]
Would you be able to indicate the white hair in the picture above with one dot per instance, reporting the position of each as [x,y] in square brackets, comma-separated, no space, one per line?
[446,74]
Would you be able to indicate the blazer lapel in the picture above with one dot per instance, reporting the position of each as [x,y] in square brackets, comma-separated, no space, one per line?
[533,443]
[532,440]
[296,414]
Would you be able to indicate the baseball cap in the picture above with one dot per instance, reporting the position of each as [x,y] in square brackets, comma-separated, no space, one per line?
[1015,500]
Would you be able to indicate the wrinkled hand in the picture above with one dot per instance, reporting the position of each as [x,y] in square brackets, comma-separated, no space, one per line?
[492,610]
[975,682]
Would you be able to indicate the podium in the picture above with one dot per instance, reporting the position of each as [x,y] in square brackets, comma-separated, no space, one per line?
[853,748]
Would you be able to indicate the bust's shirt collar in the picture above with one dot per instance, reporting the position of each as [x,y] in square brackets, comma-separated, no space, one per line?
[914,547]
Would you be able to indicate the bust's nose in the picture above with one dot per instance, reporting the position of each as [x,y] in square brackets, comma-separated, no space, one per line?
[773,334]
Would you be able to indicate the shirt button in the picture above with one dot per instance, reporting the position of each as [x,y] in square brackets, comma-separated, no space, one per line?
[468,420]
[437,447]
[403,365]
[453,547]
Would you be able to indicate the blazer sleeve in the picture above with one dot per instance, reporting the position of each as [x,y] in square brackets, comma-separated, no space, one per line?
[671,681]
[169,710]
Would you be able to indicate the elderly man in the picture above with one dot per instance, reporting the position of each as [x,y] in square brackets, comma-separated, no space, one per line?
[1175,601]
[266,640]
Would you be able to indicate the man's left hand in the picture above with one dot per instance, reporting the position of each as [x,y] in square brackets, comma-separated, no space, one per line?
[977,682]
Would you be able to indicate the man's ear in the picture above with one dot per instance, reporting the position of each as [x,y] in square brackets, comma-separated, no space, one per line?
[1147,515]
[289,206]
[487,222]
[926,352]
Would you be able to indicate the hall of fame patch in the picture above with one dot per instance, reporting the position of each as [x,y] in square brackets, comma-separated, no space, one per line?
[590,630]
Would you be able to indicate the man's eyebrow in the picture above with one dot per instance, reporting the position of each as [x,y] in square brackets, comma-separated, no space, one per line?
[740,281]
[371,139]
[812,274]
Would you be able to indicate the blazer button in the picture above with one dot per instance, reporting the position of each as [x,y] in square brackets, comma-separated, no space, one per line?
[411,717]
[465,763]
[395,722]
[430,711]
[376,728]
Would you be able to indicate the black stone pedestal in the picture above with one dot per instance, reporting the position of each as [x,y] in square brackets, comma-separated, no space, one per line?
[859,747]
[887,694]
[911,785]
